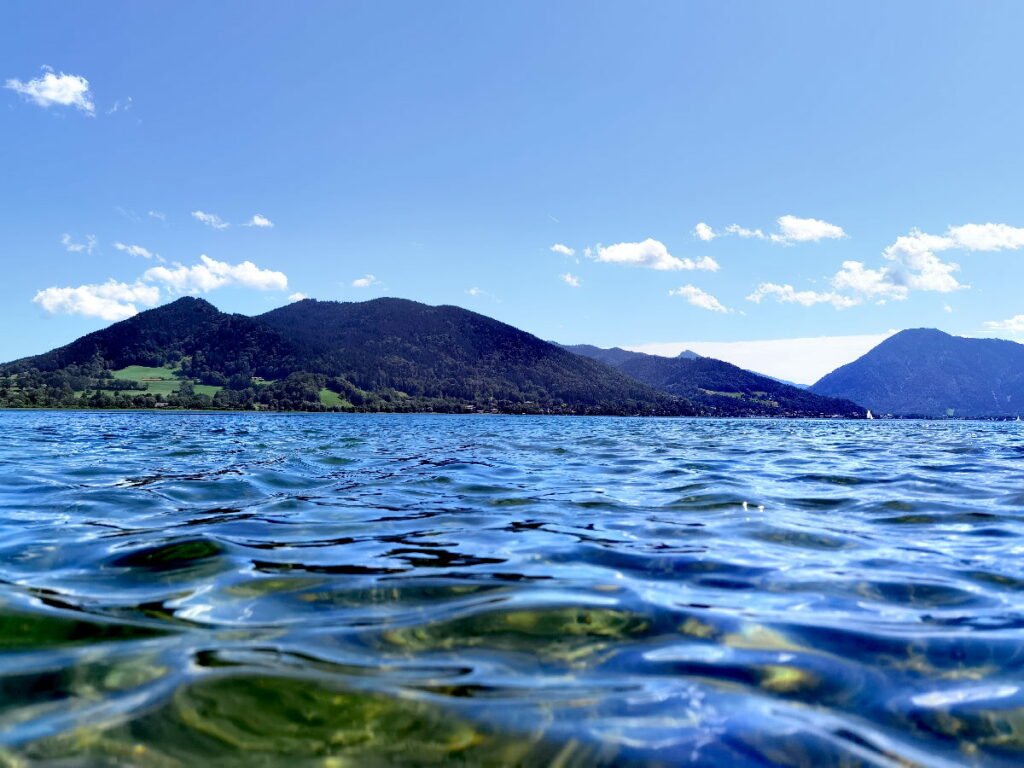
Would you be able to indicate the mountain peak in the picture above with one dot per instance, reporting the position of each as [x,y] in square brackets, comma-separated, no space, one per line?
[927,372]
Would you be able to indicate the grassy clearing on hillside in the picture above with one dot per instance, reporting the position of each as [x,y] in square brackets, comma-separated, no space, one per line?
[167,381]
[333,400]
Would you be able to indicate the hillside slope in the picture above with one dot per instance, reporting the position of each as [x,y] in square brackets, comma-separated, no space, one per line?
[385,354]
[722,388]
[926,372]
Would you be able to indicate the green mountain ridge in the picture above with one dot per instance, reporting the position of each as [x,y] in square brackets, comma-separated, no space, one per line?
[926,372]
[721,388]
[380,355]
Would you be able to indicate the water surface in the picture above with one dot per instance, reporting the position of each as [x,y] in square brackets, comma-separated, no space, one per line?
[336,590]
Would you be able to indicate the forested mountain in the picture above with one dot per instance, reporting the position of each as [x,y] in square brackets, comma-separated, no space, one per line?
[385,354]
[721,388]
[925,372]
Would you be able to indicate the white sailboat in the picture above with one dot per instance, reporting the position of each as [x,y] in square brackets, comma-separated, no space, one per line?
[871,417]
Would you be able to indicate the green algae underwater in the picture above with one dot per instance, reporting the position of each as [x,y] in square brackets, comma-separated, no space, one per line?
[336,590]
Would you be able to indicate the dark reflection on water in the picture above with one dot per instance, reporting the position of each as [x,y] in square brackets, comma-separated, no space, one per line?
[332,590]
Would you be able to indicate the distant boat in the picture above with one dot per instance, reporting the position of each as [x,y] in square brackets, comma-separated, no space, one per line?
[871,417]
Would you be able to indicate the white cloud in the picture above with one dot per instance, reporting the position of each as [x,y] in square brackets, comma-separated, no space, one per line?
[797,230]
[570,279]
[650,253]
[1014,324]
[120,106]
[474,291]
[704,232]
[365,281]
[259,220]
[803,360]
[211,274]
[51,88]
[158,215]
[854,276]
[110,301]
[114,300]
[565,250]
[137,250]
[946,308]
[699,298]
[297,296]
[210,219]
[787,294]
[70,245]
[736,229]
[792,229]
[987,237]
[911,264]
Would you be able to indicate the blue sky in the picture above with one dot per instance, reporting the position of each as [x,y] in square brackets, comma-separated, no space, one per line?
[438,151]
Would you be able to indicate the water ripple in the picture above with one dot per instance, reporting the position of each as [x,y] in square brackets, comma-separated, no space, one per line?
[325,590]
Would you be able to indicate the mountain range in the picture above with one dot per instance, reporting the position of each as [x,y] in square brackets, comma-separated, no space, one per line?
[925,372]
[385,354]
[720,388]
[397,355]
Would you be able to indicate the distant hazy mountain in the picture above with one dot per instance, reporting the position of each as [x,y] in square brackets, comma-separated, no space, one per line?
[926,372]
[722,388]
[385,354]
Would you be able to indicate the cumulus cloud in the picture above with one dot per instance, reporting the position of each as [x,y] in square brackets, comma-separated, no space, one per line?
[70,245]
[565,250]
[210,219]
[55,89]
[297,296]
[699,298]
[110,301]
[650,253]
[787,294]
[114,300]
[912,263]
[793,229]
[137,250]
[210,274]
[365,281]
[259,220]
[1014,324]
[570,279]
[704,232]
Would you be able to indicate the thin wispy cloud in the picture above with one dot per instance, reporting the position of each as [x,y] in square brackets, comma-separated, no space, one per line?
[1013,324]
[53,89]
[565,250]
[699,298]
[137,250]
[791,229]
[88,246]
[787,294]
[570,279]
[159,215]
[120,106]
[804,360]
[210,219]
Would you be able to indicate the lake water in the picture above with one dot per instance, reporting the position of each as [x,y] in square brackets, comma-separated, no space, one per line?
[348,590]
